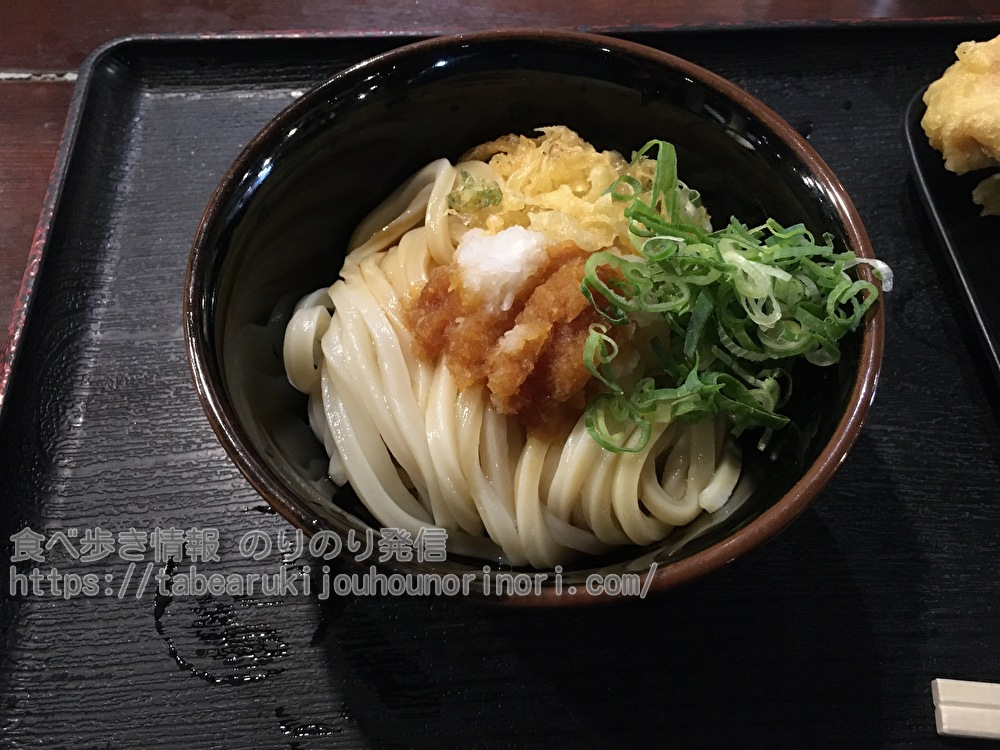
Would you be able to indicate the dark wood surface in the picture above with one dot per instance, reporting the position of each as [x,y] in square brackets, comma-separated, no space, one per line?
[31,122]
[57,35]
[828,636]
[45,41]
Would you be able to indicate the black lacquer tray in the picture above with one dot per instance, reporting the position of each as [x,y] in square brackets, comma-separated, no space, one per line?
[828,636]
[970,242]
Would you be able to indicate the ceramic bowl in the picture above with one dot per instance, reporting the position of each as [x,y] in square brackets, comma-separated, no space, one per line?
[277,225]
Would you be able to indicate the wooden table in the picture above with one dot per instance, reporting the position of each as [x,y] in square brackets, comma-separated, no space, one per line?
[40,49]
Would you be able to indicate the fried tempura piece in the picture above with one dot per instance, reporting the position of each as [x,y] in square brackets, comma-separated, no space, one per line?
[963,108]
[987,195]
[963,115]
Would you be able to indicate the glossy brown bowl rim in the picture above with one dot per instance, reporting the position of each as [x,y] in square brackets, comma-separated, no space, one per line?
[239,446]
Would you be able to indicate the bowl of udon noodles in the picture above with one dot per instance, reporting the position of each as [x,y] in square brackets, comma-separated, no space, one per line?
[544,318]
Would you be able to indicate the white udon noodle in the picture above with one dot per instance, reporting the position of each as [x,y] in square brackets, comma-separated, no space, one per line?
[421,453]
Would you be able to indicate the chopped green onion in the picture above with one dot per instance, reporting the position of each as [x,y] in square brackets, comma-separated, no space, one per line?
[740,304]
[474,194]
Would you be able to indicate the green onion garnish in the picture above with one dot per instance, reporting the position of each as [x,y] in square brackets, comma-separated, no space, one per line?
[738,303]
[474,194]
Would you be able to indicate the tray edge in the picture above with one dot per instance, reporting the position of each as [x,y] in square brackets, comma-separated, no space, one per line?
[989,346]
[50,204]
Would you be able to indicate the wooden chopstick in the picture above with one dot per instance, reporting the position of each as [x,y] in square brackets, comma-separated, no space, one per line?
[967,709]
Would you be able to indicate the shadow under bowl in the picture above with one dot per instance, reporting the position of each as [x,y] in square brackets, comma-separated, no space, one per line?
[277,226]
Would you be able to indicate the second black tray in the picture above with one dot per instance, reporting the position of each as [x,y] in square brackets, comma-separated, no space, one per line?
[828,636]
[969,241]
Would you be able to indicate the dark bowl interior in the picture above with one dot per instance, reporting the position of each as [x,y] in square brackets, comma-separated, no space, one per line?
[277,227]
